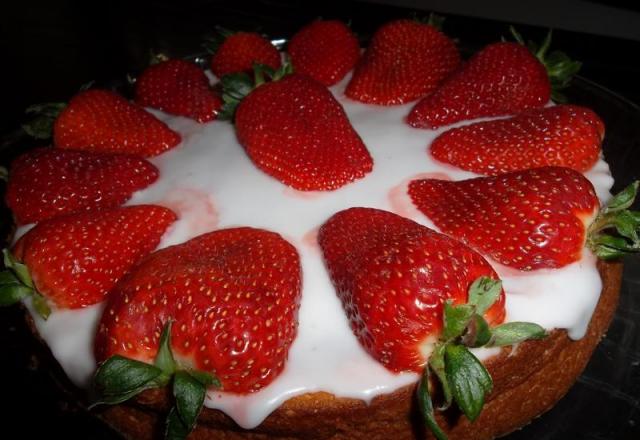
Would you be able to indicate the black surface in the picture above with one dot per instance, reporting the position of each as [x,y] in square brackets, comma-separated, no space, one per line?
[53,48]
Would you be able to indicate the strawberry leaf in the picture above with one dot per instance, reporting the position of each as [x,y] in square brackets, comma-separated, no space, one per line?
[456,319]
[164,358]
[189,394]
[483,292]
[436,362]
[515,332]
[477,332]
[118,379]
[206,379]
[175,428]
[469,380]
[235,87]
[41,126]
[426,406]
[11,290]
[623,200]
[41,305]
[20,270]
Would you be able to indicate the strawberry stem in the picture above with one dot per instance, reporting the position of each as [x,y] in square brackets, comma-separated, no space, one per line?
[616,217]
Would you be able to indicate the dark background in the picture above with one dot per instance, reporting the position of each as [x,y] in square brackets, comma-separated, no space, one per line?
[50,48]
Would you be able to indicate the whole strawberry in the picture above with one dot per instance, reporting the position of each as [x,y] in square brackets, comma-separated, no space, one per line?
[239,51]
[73,261]
[178,87]
[502,79]
[562,135]
[393,277]
[232,296]
[532,219]
[49,182]
[325,50]
[405,60]
[103,121]
[296,131]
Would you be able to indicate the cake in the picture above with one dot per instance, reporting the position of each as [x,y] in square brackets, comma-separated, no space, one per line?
[330,387]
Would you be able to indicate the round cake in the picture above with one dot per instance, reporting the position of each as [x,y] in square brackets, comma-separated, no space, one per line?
[330,387]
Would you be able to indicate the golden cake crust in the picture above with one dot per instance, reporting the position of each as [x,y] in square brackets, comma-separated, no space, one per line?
[527,382]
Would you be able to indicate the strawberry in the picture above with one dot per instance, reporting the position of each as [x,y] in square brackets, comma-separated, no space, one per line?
[73,261]
[103,121]
[393,277]
[296,131]
[232,296]
[239,51]
[325,50]
[178,87]
[562,135]
[48,182]
[502,79]
[405,60]
[531,219]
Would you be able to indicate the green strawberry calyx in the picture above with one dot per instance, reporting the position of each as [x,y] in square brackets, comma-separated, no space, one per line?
[615,231]
[560,68]
[236,86]
[119,379]
[16,285]
[463,379]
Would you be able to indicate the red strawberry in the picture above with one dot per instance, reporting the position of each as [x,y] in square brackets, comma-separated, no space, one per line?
[324,50]
[502,79]
[232,295]
[295,130]
[180,88]
[405,60]
[239,51]
[103,121]
[563,135]
[49,182]
[393,276]
[75,260]
[529,219]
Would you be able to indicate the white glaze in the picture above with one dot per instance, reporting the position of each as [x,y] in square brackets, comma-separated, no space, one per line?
[210,182]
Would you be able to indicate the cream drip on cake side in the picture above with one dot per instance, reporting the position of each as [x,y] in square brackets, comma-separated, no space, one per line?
[211,184]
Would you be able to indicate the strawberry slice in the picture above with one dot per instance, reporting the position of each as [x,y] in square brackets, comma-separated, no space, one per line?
[178,87]
[232,296]
[531,219]
[393,277]
[562,135]
[296,131]
[238,52]
[325,50]
[74,261]
[103,121]
[48,182]
[405,60]
[502,79]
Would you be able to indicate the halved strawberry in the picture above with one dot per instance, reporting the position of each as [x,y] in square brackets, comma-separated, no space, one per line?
[239,51]
[73,261]
[49,182]
[562,135]
[325,50]
[405,60]
[103,121]
[296,131]
[393,277]
[416,300]
[531,219]
[232,296]
[502,79]
[178,87]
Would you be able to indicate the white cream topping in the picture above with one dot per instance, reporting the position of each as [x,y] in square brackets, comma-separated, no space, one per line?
[211,183]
